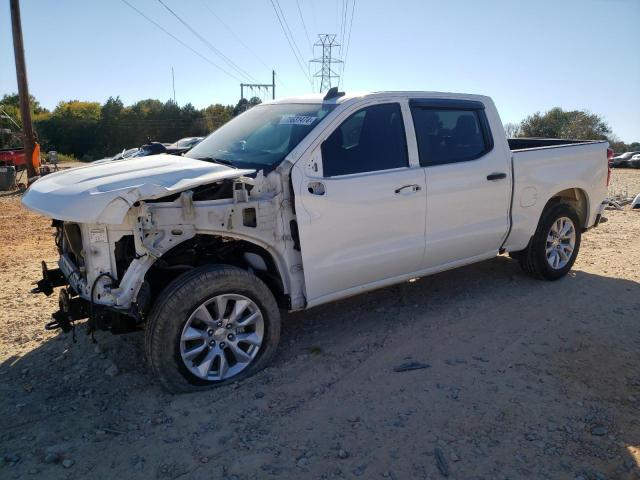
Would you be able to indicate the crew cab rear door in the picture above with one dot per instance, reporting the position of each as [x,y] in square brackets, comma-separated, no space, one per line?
[360,203]
[468,178]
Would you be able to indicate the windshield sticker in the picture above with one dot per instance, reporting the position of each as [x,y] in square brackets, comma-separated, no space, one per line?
[297,120]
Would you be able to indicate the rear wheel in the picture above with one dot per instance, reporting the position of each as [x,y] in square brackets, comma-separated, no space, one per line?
[214,325]
[554,246]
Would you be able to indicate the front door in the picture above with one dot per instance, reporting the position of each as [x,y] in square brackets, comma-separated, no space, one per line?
[361,218]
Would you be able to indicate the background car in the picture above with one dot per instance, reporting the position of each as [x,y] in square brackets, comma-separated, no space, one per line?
[126,153]
[149,148]
[622,160]
[634,162]
[155,148]
[187,142]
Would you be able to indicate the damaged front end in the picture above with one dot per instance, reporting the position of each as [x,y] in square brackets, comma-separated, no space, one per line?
[114,262]
[80,296]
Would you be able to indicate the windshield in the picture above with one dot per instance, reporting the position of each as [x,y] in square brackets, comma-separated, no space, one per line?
[261,137]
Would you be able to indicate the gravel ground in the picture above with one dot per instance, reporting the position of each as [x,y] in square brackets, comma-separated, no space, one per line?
[521,379]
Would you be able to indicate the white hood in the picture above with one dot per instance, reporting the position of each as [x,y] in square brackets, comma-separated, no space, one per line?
[104,193]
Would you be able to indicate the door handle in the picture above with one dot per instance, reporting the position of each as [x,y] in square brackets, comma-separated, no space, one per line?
[414,188]
[316,188]
[496,176]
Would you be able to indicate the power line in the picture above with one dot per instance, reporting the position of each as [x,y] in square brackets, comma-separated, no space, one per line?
[346,52]
[343,22]
[291,35]
[313,16]
[237,37]
[182,43]
[300,64]
[211,47]
[338,14]
[304,25]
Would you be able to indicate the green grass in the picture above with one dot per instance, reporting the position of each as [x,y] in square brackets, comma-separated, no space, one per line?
[62,158]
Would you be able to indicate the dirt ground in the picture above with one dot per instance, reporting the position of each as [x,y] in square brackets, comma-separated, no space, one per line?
[527,379]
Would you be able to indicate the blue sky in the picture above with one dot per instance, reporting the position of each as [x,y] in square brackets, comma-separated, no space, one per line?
[529,56]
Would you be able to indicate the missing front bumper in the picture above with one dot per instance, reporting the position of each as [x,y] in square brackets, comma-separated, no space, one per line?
[72,307]
[70,310]
[50,280]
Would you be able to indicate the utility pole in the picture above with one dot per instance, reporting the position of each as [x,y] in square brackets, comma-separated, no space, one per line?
[259,86]
[327,42]
[173,82]
[23,89]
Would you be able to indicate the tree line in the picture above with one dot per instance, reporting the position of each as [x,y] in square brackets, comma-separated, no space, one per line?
[90,130]
[574,124]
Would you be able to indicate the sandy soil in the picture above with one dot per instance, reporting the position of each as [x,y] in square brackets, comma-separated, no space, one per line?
[527,379]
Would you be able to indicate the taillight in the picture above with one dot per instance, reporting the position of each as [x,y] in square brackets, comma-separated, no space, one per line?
[609,158]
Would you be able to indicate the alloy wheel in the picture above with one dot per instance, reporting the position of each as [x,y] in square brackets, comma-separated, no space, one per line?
[561,242]
[222,337]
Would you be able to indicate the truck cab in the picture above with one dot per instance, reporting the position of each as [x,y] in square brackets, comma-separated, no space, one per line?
[418,181]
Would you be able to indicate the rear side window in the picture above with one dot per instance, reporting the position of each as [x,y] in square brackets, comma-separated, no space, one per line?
[371,139]
[450,135]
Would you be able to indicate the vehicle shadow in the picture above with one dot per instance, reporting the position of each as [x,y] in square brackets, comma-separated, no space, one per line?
[579,334]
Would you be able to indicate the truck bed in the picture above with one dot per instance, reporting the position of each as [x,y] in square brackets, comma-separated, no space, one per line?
[526,143]
[542,169]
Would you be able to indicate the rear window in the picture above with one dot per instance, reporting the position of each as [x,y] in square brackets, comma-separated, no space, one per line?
[447,135]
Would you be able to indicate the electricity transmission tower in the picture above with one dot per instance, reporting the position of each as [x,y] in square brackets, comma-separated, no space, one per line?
[327,42]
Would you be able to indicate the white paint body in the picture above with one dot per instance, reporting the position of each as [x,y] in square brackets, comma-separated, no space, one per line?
[104,192]
[359,235]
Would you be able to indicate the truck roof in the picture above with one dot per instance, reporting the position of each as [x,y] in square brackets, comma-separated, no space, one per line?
[319,97]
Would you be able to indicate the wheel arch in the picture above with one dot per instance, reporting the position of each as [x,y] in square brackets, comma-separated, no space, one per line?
[244,253]
[577,198]
[526,219]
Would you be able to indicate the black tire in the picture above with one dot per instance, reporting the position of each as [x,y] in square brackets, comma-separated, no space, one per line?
[533,259]
[176,303]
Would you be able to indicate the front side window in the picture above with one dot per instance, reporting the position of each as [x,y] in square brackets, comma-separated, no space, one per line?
[371,139]
[449,135]
[261,137]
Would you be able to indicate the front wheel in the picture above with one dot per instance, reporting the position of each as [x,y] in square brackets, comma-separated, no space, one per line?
[554,246]
[211,326]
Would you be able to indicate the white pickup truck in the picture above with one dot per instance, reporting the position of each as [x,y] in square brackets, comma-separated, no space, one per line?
[300,202]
